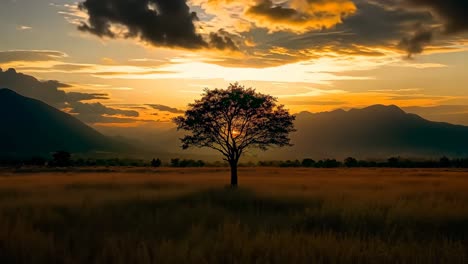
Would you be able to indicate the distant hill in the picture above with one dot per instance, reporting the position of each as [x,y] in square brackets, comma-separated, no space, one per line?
[375,131]
[31,127]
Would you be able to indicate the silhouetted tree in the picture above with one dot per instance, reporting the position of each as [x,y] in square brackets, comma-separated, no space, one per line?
[156,163]
[291,163]
[331,163]
[61,159]
[175,162]
[233,120]
[351,162]
[393,162]
[445,162]
[184,163]
[308,163]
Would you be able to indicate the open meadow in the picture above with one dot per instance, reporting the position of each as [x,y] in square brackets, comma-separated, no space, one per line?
[278,215]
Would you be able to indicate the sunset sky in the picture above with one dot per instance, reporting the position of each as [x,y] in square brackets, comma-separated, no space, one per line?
[140,62]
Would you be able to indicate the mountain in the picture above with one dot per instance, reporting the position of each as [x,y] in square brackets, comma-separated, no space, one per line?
[373,132]
[31,127]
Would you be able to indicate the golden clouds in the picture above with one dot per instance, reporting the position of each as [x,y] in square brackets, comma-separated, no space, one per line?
[297,16]
[300,15]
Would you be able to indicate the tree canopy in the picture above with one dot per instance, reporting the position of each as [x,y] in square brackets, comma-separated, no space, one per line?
[233,120]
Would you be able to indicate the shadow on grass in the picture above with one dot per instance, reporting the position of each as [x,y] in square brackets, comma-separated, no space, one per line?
[173,217]
[204,218]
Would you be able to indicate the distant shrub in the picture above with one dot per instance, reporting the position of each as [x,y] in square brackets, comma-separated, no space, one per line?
[393,162]
[186,163]
[351,162]
[290,163]
[270,163]
[61,159]
[445,162]
[308,163]
[156,163]
[112,162]
[328,163]
[367,164]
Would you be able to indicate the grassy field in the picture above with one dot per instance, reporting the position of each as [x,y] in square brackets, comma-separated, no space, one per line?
[277,216]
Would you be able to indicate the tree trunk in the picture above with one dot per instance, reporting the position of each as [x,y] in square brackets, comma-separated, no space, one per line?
[233,166]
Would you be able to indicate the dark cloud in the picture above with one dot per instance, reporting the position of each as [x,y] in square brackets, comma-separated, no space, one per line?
[101,119]
[416,43]
[376,25]
[165,108]
[131,106]
[46,91]
[98,113]
[373,25]
[30,55]
[77,97]
[159,22]
[452,12]
[409,25]
[92,109]
[267,9]
[299,17]
[49,92]
[166,23]
[222,41]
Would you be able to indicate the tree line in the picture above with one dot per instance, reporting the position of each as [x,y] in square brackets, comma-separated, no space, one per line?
[350,162]
[65,159]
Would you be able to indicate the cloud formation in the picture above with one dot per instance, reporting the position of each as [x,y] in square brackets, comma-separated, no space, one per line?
[99,113]
[165,108]
[452,12]
[46,91]
[416,43]
[30,55]
[77,97]
[300,15]
[304,29]
[50,93]
[166,23]
[221,40]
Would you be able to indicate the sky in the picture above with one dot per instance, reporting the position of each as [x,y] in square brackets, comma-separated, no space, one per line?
[138,63]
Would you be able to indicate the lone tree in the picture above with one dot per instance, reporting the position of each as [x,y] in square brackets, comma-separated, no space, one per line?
[234,120]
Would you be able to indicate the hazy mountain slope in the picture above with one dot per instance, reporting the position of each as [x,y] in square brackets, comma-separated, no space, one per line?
[376,131]
[29,126]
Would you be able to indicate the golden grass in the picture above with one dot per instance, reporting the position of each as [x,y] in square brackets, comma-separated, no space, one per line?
[279,215]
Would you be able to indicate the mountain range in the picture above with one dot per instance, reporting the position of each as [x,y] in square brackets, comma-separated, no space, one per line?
[31,127]
[376,131]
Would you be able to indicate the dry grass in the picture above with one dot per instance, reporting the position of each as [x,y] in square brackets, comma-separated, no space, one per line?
[278,216]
